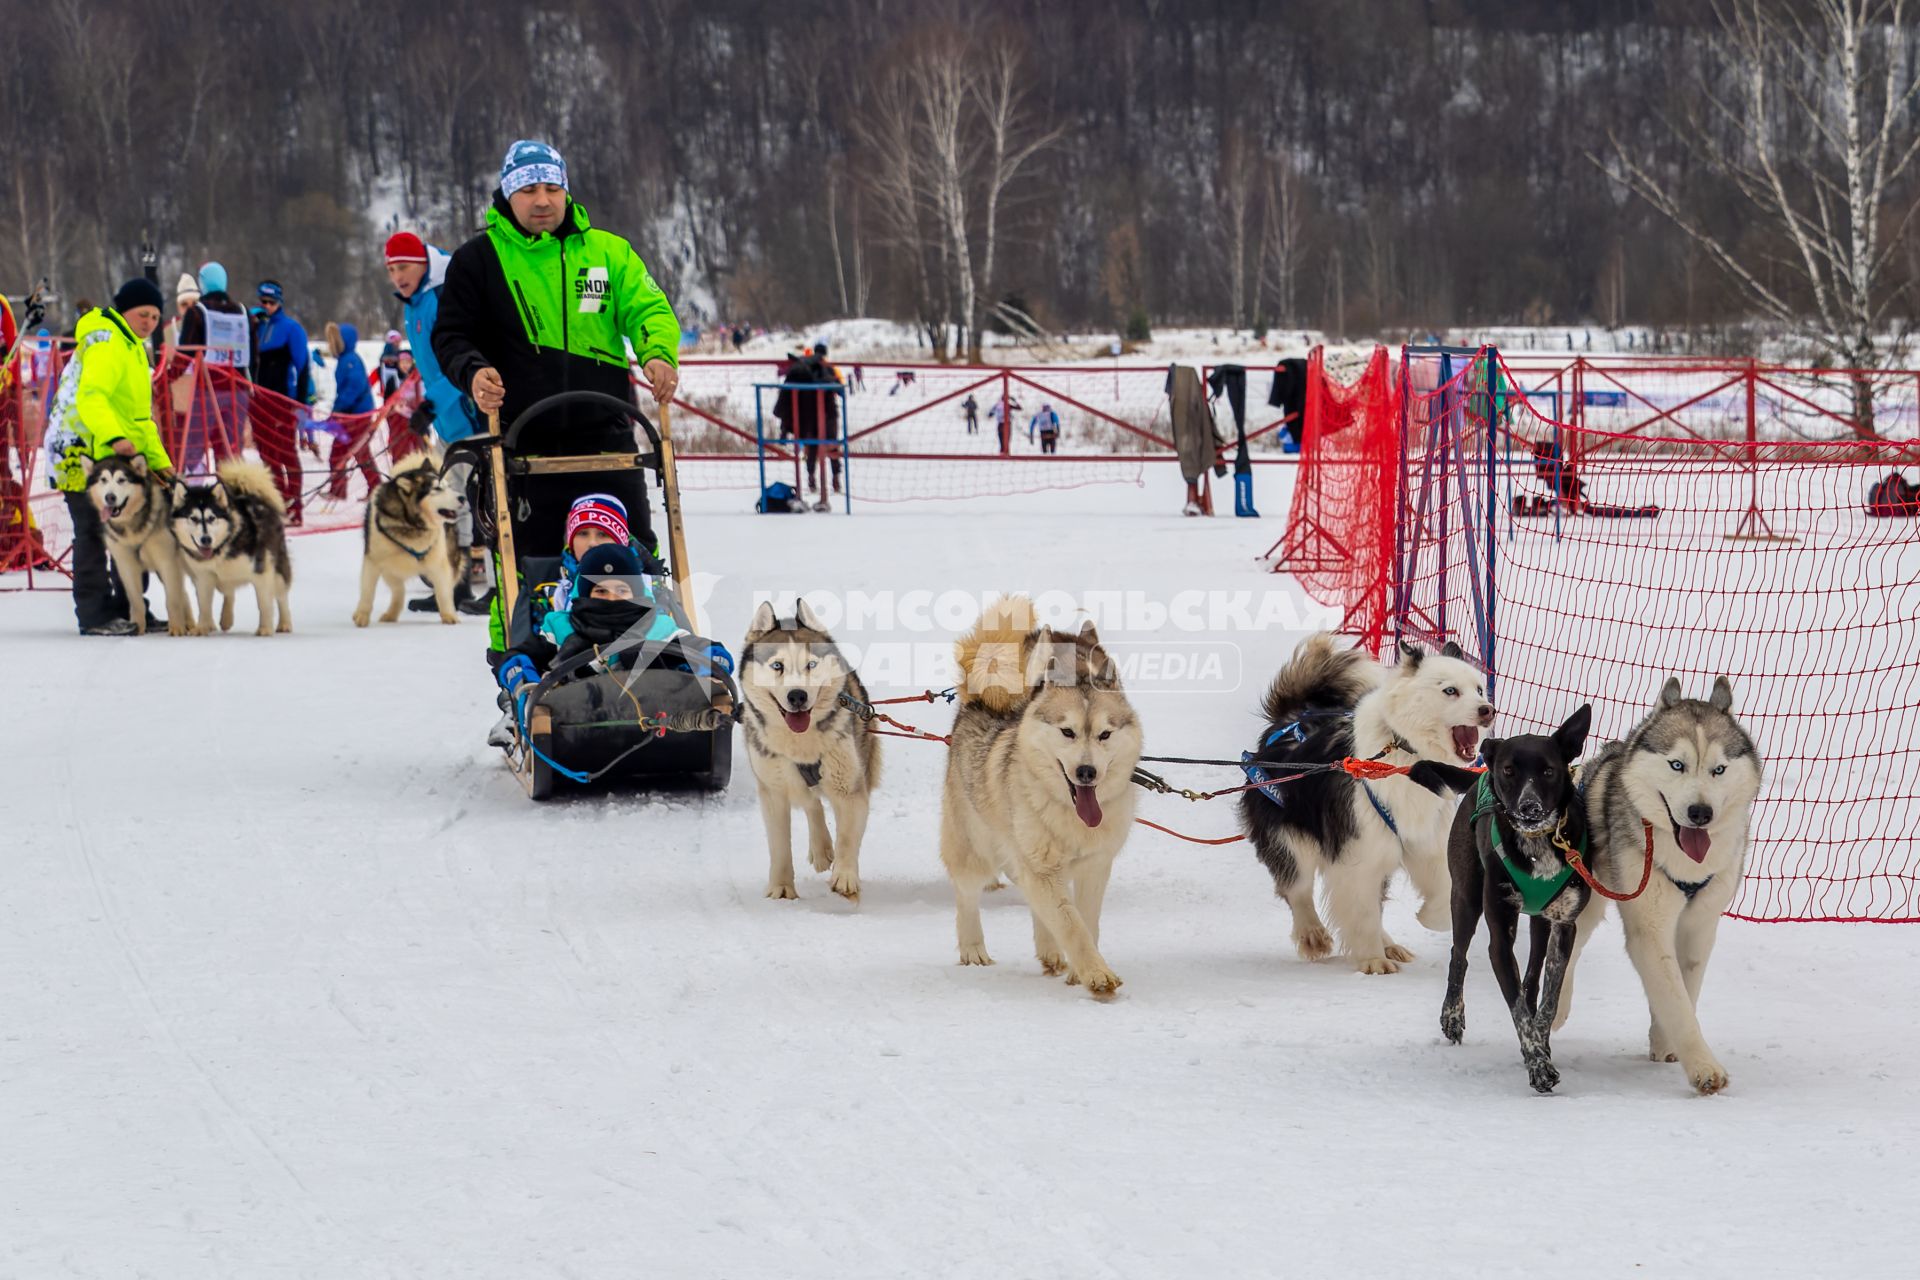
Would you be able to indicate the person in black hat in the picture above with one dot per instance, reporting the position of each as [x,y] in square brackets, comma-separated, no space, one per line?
[104,406]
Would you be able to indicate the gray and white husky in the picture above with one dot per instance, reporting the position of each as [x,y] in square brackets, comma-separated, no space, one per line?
[808,750]
[1688,775]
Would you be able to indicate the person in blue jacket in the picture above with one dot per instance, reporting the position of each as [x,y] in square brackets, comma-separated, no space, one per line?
[280,366]
[417,271]
[352,397]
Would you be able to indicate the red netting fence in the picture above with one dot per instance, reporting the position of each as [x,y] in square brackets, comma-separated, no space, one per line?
[1339,535]
[324,465]
[1586,564]
[930,432]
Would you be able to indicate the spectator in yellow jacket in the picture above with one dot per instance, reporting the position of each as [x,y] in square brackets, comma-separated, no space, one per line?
[104,405]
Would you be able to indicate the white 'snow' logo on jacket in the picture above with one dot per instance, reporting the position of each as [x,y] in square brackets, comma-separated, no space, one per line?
[590,286]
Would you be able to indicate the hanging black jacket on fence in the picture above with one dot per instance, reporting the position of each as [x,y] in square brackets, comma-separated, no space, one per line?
[1289,394]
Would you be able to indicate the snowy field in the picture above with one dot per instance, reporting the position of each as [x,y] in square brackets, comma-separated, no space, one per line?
[297,983]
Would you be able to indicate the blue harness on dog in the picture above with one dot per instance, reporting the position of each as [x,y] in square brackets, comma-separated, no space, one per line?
[1295,732]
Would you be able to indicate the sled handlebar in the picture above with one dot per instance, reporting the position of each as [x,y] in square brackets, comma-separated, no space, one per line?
[599,399]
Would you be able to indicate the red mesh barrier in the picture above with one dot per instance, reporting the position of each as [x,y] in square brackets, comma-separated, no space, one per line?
[204,412]
[916,432]
[1588,565]
[1339,534]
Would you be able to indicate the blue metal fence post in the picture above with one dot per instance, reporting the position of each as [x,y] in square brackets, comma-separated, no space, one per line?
[760,445]
[1491,356]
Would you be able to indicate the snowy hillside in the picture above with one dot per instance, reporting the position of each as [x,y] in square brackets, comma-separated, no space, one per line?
[298,984]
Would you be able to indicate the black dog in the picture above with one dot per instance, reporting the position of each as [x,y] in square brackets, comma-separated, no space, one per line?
[1506,857]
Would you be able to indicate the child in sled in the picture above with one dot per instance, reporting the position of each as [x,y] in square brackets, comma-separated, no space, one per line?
[606,591]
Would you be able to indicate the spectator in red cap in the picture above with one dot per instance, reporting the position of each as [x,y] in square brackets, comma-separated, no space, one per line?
[418,270]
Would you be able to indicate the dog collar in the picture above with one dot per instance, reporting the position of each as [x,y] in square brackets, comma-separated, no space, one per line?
[1535,891]
[385,533]
[1687,887]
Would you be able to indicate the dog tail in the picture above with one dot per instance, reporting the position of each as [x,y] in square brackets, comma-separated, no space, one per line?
[253,480]
[992,658]
[1318,675]
[416,460]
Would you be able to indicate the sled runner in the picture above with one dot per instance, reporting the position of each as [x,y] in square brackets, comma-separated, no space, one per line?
[659,711]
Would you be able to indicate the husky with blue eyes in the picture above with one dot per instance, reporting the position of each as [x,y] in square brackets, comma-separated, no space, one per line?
[1684,779]
[808,747]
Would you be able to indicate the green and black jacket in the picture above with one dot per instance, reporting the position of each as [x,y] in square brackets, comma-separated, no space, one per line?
[552,312]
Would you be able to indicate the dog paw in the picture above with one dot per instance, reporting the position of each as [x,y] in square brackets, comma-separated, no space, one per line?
[1435,914]
[177,627]
[285,628]
[452,620]
[263,630]
[362,618]
[1376,964]
[847,885]
[821,858]
[781,891]
[974,954]
[1315,943]
[1658,1050]
[1100,983]
[1543,1076]
[1398,954]
[1707,1075]
[201,629]
[1453,1022]
[1053,965]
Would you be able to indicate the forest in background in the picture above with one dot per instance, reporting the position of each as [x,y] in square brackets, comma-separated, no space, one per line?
[1360,166]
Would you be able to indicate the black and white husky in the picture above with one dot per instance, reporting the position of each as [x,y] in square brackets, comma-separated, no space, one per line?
[233,533]
[1328,704]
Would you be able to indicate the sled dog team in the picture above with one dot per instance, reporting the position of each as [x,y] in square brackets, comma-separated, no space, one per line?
[231,533]
[1039,790]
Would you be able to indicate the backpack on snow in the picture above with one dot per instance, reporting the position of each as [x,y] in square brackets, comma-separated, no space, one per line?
[779,497]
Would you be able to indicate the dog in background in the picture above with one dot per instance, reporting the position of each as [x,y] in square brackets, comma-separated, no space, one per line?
[135,507]
[1685,779]
[1328,704]
[1505,858]
[232,533]
[807,749]
[405,533]
[1039,785]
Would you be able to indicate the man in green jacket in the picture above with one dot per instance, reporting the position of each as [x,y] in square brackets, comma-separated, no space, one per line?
[543,302]
[104,405]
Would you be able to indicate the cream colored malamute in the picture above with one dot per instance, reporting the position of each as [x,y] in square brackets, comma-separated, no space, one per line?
[1039,785]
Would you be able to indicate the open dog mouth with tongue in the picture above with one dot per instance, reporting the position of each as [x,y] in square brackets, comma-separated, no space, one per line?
[1693,841]
[1086,804]
[1466,742]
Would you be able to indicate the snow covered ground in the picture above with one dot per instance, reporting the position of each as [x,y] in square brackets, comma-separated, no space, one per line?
[297,983]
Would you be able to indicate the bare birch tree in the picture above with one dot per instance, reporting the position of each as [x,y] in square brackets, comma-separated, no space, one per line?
[1812,121]
[1000,93]
[1235,184]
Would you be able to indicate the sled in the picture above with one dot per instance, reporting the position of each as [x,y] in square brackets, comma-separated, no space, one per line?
[667,718]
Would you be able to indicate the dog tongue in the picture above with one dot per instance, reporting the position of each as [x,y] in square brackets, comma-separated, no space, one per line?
[798,720]
[1087,805]
[1694,842]
[1466,741]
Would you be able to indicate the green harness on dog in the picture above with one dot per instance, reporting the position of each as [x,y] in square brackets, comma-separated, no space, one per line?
[1535,891]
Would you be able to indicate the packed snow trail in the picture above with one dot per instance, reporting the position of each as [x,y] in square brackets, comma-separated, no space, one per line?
[298,983]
